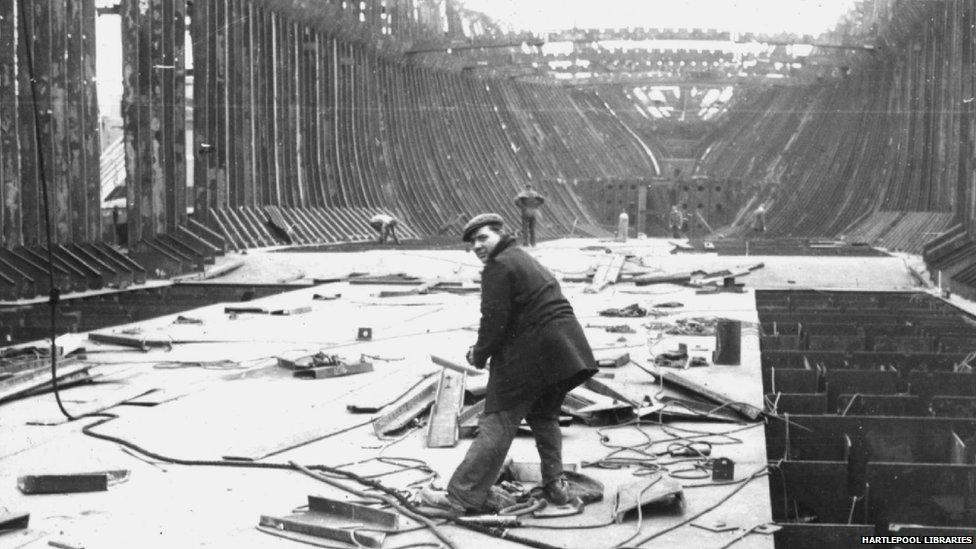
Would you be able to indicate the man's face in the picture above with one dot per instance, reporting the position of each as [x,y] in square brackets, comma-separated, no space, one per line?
[483,242]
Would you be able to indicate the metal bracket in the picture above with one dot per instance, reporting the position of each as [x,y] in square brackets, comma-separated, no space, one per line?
[443,427]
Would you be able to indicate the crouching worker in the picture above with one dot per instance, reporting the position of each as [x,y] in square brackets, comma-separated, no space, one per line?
[538,353]
[386,226]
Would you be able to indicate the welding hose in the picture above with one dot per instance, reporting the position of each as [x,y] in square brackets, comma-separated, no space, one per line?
[375,485]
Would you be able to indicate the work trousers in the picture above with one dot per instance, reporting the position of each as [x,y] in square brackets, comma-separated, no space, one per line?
[483,463]
[389,232]
[386,231]
[528,230]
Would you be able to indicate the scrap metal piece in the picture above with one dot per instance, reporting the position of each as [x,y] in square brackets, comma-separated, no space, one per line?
[64,545]
[70,484]
[443,428]
[765,529]
[339,370]
[607,388]
[14,521]
[607,273]
[406,408]
[659,491]
[715,525]
[613,359]
[746,410]
[574,507]
[596,409]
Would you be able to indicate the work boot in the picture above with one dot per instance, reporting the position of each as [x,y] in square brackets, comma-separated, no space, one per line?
[557,491]
[441,500]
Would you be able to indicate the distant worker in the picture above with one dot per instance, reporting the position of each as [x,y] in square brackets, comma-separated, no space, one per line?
[385,225]
[759,219]
[538,353]
[529,203]
[676,220]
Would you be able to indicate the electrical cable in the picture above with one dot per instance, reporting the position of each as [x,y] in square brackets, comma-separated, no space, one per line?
[54,293]
[741,484]
[375,485]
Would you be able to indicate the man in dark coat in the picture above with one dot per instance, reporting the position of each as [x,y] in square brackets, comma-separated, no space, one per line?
[529,203]
[538,353]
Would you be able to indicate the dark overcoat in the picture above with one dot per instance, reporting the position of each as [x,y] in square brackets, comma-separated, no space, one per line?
[528,330]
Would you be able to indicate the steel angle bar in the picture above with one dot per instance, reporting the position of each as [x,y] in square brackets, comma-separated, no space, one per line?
[406,408]
[322,526]
[456,367]
[443,428]
[355,512]
[748,411]
[607,389]
[595,409]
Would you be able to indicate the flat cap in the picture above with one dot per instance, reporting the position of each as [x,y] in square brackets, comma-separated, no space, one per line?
[478,222]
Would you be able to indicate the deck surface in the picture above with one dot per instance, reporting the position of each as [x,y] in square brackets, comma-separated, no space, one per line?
[220,394]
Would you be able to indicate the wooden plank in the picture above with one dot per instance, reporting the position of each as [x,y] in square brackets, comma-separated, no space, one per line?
[29,380]
[232,107]
[164,68]
[42,71]
[607,273]
[10,177]
[391,391]
[155,192]
[443,424]
[247,128]
[91,142]
[178,114]
[75,130]
[57,161]
[219,191]
[202,114]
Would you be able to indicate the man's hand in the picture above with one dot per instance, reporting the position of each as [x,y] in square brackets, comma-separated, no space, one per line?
[470,356]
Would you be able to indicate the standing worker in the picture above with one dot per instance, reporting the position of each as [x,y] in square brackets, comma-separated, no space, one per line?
[385,225]
[759,219]
[676,221]
[538,353]
[529,203]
